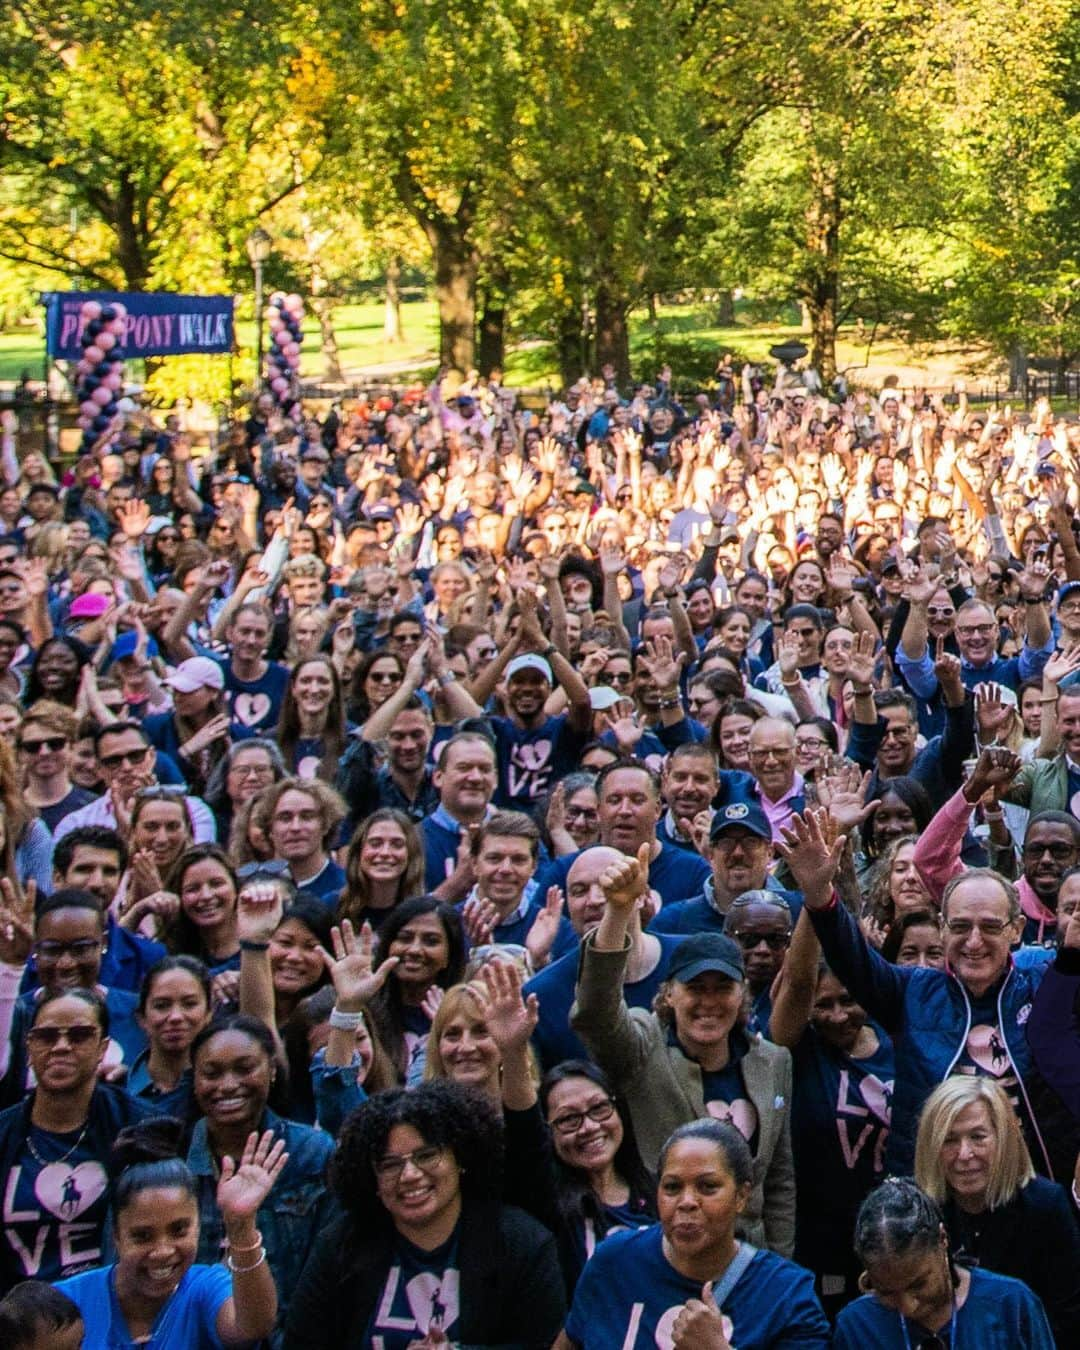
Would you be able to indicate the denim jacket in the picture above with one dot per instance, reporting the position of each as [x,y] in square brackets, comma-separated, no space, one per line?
[293,1214]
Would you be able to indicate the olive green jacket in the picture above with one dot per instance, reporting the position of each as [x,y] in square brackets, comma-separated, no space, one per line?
[662,1088]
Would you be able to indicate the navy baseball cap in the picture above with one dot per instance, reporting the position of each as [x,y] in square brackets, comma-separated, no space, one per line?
[704,952]
[1067,589]
[749,815]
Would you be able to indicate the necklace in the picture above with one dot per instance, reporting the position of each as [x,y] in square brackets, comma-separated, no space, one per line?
[48,1162]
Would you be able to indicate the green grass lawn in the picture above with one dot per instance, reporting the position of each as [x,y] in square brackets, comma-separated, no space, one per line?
[684,336]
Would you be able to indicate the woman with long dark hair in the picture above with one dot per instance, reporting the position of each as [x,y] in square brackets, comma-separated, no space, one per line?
[383,867]
[312,729]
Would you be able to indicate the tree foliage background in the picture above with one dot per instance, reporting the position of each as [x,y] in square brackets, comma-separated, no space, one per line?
[913,164]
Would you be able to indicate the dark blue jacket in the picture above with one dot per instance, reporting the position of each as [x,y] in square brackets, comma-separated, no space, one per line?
[928,1015]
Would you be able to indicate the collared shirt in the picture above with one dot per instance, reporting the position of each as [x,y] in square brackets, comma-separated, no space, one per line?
[780,813]
[100,812]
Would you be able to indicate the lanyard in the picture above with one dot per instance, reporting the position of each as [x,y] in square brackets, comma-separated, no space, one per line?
[952,1328]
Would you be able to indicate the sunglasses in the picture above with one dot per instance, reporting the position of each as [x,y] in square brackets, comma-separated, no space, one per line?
[776,942]
[275,867]
[128,757]
[51,743]
[48,1037]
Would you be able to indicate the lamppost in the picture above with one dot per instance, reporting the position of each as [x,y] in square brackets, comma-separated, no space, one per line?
[259,245]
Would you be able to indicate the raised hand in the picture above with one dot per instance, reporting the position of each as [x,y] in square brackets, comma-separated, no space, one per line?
[626,730]
[701,1325]
[541,936]
[612,560]
[919,585]
[946,667]
[842,575]
[258,912]
[133,517]
[994,770]
[626,882]
[1033,581]
[842,791]
[480,918]
[16,921]
[245,1185]
[215,730]
[991,711]
[214,574]
[812,847]
[862,660]
[355,980]
[1061,664]
[787,653]
[511,1019]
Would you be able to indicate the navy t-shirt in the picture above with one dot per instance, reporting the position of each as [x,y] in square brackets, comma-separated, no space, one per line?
[724,1090]
[629,1297]
[554,1039]
[256,704]
[532,761]
[422,1291]
[998,1314]
[839,1128]
[673,874]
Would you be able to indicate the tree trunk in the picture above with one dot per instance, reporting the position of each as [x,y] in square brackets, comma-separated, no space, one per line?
[392,330]
[612,334]
[130,240]
[570,343]
[725,310]
[491,354]
[822,290]
[324,312]
[1018,365]
[455,291]
[653,315]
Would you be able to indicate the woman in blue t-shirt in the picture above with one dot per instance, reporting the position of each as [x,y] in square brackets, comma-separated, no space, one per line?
[155,1293]
[917,1295]
[687,1280]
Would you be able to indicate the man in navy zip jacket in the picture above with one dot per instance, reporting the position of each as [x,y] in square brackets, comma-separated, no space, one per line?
[968,1018]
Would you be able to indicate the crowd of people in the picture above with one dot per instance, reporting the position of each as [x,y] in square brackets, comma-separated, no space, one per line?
[603,875]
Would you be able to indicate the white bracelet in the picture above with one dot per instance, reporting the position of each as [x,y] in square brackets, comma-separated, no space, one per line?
[345,1021]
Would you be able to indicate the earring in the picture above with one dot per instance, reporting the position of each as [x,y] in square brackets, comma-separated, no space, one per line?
[864,1282]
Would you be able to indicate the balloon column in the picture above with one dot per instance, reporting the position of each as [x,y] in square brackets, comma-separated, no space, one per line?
[284,317]
[99,371]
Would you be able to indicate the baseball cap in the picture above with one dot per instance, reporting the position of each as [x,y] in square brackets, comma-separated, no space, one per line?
[704,952]
[126,643]
[530,661]
[602,697]
[199,672]
[1069,588]
[748,815]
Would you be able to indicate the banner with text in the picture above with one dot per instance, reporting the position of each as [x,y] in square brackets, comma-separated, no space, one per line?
[158,324]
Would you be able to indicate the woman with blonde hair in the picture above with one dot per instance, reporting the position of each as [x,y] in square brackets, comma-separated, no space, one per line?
[970,1157]
[894,886]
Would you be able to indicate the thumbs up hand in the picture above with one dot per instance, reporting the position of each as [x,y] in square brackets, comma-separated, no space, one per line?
[701,1325]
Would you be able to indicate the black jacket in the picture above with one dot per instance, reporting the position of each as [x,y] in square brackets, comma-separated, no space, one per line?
[1033,1238]
[512,1293]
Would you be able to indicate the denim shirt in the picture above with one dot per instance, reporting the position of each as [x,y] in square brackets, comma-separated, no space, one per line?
[291,1216]
[337,1091]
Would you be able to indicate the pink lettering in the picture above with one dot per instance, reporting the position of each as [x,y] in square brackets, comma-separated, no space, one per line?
[11,1214]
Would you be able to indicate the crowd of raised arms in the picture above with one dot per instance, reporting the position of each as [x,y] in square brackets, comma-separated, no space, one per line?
[597,876]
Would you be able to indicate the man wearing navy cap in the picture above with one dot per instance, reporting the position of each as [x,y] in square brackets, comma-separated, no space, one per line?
[740,851]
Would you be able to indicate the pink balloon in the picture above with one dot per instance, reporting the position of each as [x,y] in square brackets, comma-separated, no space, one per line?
[279,384]
[294,361]
[118,326]
[291,349]
[281,336]
[89,408]
[83,421]
[114,381]
[278,298]
[294,302]
[106,341]
[121,310]
[275,325]
[273,311]
[94,354]
[90,309]
[101,396]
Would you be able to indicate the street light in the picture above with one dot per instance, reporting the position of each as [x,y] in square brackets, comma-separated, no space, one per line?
[258,246]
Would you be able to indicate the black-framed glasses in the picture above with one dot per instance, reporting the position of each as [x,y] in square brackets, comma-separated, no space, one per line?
[50,743]
[273,867]
[427,1159]
[776,942]
[46,1038]
[1060,852]
[571,1121]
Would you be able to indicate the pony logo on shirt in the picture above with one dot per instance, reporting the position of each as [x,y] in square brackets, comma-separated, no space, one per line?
[987,1049]
[427,1302]
[67,1191]
[250,709]
[52,1236]
[529,768]
[741,1113]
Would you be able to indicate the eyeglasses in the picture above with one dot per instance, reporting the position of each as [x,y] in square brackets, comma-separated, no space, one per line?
[128,757]
[48,1037]
[940,611]
[161,792]
[80,949]
[776,942]
[273,867]
[1059,852]
[621,677]
[972,629]
[987,927]
[582,813]
[427,1159]
[251,770]
[769,753]
[50,743]
[572,1121]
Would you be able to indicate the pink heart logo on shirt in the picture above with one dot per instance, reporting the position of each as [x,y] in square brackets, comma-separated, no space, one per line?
[534,755]
[67,1191]
[987,1048]
[740,1113]
[308,767]
[250,709]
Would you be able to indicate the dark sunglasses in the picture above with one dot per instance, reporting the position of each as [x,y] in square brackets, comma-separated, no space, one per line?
[52,743]
[128,757]
[275,867]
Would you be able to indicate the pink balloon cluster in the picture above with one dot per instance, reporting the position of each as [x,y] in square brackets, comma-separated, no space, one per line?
[284,319]
[100,370]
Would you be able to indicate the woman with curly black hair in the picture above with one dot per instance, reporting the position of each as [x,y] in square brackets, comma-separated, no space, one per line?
[426,1250]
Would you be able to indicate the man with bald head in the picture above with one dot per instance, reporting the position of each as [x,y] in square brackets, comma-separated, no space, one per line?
[554,986]
[772,762]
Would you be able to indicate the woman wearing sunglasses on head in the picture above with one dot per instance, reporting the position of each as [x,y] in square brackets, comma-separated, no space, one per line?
[54,1144]
[916,1297]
